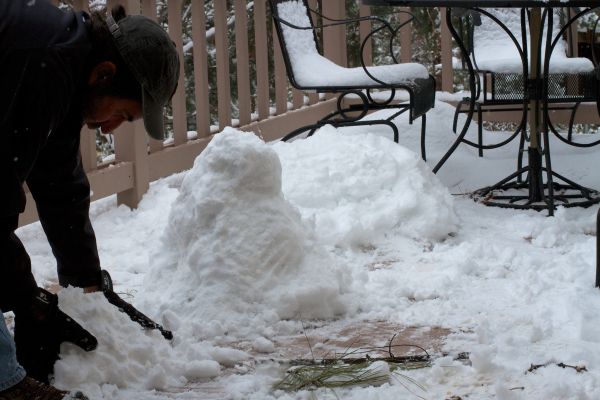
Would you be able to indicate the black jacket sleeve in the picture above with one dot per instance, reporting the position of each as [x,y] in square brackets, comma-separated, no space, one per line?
[61,191]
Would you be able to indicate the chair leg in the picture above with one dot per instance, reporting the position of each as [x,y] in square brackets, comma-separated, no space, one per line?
[572,122]
[395,130]
[598,249]
[521,151]
[480,129]
[423,127]
[456,113]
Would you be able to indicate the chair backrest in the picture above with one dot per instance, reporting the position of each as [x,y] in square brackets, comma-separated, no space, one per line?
[297,35]
[308,69]
[494,51]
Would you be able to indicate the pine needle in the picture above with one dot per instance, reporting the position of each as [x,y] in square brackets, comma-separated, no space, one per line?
[331,376]
[350,369]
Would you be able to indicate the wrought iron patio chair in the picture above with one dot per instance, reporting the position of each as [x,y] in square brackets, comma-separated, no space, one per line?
[308,70]
[497,56]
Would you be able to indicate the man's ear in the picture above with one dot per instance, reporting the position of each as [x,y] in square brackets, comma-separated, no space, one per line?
[102,73]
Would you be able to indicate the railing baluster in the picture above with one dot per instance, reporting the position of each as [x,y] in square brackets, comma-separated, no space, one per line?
[81,5]
[364,29]
[178,101]
[243,63]
[334,38]
[222,52]
[149,10]
[281,88]
[261,59]
[201,90]
[446,53]
[297,98]
[405,37]
[313,98]
[88,136]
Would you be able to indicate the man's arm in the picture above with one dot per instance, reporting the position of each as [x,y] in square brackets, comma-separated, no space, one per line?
[61,191]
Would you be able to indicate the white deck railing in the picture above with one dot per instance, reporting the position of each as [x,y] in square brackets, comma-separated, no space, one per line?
[269,111]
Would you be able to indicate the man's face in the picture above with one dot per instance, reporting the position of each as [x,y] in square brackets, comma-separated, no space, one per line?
[108,112]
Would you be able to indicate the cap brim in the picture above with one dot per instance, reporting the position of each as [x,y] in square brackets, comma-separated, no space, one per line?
[153,116]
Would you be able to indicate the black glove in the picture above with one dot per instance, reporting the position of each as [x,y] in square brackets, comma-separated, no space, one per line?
[40,328]
[131,311]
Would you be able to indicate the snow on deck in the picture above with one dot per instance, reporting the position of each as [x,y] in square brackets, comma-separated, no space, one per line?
[370,235]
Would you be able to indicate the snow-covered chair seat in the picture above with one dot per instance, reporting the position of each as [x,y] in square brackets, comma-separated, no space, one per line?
[500,78]
[309,70]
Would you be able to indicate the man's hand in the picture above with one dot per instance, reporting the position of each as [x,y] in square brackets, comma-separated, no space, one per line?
[39,331]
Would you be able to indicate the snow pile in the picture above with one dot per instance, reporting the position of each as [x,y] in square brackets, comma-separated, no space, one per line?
[127,356]
[119,339]
[236,257]
[358,188]
[233,244]
[514,287]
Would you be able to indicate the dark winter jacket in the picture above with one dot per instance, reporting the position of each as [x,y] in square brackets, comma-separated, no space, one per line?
[42,56]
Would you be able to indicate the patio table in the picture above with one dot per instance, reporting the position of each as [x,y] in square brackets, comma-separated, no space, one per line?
[538,194]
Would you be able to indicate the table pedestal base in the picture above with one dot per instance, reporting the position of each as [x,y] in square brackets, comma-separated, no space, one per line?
[513,192]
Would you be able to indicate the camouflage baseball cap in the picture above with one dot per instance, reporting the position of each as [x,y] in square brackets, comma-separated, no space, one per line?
[153,60]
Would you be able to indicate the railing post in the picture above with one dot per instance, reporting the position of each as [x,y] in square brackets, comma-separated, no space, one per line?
[446,53]
[87,148]
[131,145]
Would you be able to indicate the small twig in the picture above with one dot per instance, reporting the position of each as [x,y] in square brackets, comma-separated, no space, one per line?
[307,340]
[578,368]
[390,346]
[328,361]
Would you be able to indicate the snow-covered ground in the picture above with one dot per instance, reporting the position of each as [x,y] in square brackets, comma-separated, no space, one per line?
[262,242]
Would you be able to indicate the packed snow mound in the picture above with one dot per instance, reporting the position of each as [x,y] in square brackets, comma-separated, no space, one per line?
[233,243]
[357,188]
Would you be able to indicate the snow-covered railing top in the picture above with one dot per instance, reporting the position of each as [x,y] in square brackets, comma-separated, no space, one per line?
[494,51]
[483,3]
[311,69]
